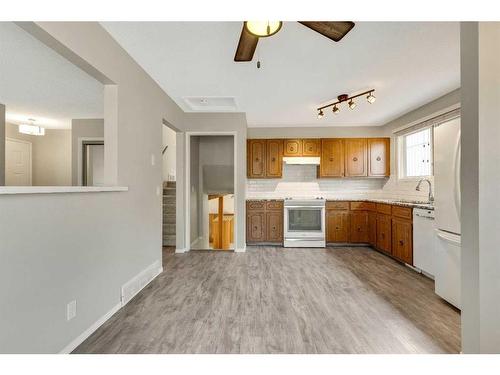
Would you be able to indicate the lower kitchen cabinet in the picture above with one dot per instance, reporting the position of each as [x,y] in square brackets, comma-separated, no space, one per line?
[372,228]
[337,226]
[274,226]
[256,226]
[264,222]
[384,232]
[402,240]
[359,227]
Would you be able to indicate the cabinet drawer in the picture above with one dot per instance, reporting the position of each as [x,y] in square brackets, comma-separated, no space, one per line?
[402,212]
[337,205]
[363,206]
[384,208]
[256,205]
[274,205]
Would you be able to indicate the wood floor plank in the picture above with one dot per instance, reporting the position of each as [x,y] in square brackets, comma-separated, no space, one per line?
[276,300]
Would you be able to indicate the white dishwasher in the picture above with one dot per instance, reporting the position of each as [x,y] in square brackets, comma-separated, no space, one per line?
[424,256]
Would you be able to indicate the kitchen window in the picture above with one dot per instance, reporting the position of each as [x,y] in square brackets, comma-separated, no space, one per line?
[415,154]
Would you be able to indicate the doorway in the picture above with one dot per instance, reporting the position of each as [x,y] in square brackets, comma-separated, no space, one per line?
[211,218]
[93,163]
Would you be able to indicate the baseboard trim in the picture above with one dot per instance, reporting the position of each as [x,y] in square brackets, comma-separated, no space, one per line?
[83,336]
[181,251]
[240,250]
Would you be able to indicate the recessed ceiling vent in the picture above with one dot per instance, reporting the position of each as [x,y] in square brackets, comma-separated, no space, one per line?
[211,103]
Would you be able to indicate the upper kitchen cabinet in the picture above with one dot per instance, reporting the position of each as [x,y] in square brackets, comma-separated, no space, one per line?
[293,147]
[332,158]
[256,158]
[311,147]
[274,158]
[355,157]
[379,157]
[264,158]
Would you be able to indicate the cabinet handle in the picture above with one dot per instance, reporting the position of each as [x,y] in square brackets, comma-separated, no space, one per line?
[337,228]
[256,159]
[310,148]
[254,228]
[401,242]
[273,159]
[274,228]
[382,235]
[331,159]
[359,229]
[354,159]
[379,158]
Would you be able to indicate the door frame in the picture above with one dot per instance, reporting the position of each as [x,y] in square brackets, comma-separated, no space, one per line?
[187,187]
[79,157]
[30,158]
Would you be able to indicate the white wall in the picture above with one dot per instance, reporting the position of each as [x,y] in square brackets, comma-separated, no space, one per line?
[2,144]
[168,139]
[93,242]
[480,178]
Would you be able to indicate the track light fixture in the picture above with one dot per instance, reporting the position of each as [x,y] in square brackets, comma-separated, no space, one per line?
[370,98]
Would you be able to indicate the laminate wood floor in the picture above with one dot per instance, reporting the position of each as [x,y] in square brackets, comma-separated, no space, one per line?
[276,300]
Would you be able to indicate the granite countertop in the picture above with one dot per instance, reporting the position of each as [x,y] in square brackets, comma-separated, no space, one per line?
[396,202]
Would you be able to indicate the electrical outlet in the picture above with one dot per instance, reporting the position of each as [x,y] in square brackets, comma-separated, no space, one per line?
[71,310]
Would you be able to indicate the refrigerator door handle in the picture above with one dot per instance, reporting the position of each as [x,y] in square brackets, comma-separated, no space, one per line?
[448,237]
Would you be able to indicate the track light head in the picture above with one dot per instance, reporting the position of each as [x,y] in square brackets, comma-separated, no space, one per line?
[320,114]
[335,109]
[371,98]
[352,104]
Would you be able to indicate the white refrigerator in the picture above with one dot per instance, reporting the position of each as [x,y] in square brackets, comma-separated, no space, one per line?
[447,211]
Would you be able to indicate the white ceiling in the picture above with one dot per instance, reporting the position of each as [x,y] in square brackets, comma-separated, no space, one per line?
[408,63]
[36,82]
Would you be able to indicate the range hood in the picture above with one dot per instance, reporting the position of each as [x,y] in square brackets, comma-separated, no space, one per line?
[301,160]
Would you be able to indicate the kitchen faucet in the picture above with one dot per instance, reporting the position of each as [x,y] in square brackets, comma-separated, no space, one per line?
[431,196]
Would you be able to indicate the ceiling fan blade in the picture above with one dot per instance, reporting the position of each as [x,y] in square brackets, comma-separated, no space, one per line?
[332,30]
[246,46]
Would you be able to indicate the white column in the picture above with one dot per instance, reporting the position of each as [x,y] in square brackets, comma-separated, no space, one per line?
[480,78]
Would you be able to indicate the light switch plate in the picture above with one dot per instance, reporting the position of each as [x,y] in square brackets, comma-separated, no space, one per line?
[152,159]
[71,310]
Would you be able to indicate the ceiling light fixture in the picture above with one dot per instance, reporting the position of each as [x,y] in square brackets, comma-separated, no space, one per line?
[346,98]
[31,129]
[263,29]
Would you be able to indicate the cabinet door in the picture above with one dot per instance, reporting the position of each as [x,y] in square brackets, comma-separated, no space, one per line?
[359,227]
[379,157]
[256,158]
[384,233]
[355,157]
[274,158]
[372,228]
[274,226]
[332,158]
[337,226]
[256,226]
[293,147]
[402,241]
[311,147]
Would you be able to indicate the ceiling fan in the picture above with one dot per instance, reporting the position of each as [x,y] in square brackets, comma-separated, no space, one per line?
[253,30]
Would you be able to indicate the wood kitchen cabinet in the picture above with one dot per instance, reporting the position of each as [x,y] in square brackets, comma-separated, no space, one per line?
[264,222]
[337,226]
[311,147]
[256,158]
[402,240]
[379,157]
[359,227]
[264,158]
[372,228]
[384,232]
[355,157]
[332,158]
[293,147]
[274,158]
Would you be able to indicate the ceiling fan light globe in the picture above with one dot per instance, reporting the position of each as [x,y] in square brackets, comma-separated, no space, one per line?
[263,29]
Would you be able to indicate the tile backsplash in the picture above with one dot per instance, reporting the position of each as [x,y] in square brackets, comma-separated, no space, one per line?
[302,181]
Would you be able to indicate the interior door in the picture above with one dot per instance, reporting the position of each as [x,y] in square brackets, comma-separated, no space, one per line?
[17,163]
[355,157]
